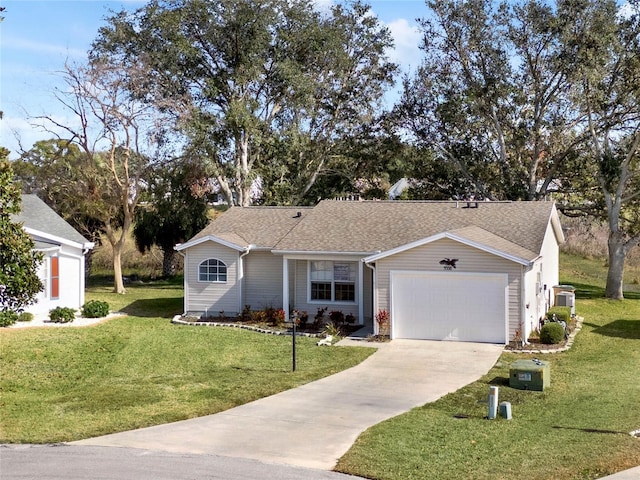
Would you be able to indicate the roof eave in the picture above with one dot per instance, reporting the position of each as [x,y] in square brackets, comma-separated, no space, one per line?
[457,238]
[319,252]
[210,238]
[56,239]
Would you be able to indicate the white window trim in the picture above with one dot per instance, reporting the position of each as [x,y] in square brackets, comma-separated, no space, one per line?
[221,282]
[333,282]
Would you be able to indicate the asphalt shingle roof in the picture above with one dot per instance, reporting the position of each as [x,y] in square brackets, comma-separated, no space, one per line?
[37,215]
[517,228]
[259,226]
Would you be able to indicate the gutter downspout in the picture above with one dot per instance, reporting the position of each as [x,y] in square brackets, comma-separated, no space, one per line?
[375,297]
[525,327]
[184,282]
[241,275]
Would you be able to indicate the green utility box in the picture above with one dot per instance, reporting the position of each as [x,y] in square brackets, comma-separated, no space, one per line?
[530,375]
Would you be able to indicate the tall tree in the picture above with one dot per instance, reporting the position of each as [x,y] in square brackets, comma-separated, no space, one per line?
[606,42]
[111,131]
[491,96]
[19,282]
[56,170]
[175,211]
[259,87]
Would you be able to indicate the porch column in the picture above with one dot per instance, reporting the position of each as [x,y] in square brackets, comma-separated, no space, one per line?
[360,293]
[285,287]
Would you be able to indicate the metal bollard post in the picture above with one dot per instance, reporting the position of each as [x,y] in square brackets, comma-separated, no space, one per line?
[493,402]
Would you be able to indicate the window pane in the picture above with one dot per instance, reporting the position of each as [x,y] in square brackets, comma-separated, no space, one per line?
[212,270]
[320,290]
[321,270]
[345,292]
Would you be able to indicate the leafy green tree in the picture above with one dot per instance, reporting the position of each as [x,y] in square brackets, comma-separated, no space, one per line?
[260,88]
[57,171]
[174,213]
[606,43]
[19,282]
[491,96]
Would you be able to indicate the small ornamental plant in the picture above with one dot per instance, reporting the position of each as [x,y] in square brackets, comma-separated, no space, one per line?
[95,309]
[25,317]
[62,315]
[383,319]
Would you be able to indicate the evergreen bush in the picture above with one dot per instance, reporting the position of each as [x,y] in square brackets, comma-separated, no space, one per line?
[95,309]
[563,314]
[25,317]
[551,333]
[7,318]
[62,315]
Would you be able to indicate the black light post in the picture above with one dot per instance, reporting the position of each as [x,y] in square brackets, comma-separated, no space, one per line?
[293,341]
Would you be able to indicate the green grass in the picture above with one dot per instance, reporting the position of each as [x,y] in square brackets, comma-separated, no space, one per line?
[67,384]
[577,429]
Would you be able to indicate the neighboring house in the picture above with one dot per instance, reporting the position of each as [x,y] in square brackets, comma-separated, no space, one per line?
[477,271]
[62,270]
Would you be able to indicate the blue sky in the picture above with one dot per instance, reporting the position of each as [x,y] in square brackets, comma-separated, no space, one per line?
[37,37]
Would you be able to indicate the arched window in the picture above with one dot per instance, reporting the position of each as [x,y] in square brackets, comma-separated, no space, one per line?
[212,270]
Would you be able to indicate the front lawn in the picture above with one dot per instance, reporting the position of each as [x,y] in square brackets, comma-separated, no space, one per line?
[67,384]
[579,428]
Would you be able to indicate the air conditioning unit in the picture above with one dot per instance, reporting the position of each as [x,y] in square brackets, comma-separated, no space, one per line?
[566,299]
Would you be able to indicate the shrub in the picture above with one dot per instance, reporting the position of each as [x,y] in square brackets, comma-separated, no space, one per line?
[350,318]
[563,314]
[551,333]
[95,309]
[7,318]
[25,317]
[337,317]
[62,315]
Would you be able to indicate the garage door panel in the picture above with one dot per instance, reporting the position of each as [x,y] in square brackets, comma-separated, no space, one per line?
[449,306]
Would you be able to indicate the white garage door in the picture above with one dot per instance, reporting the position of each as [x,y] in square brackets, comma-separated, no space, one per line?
[468,307]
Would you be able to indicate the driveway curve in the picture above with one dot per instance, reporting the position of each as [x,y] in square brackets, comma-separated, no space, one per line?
[315,424]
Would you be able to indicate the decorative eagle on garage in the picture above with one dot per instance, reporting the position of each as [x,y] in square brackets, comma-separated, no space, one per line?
[448,263]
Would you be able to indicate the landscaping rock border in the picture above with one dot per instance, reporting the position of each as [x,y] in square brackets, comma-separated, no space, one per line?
[178,320]
[563,348]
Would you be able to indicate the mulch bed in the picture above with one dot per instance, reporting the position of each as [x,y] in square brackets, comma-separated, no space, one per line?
[536,346]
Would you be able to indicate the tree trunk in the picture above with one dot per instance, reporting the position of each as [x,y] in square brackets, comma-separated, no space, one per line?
[118,282]
[168,265]
[615,274]
[88,263]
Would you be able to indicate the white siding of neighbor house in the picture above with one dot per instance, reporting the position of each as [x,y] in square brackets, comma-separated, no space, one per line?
[210,297]
[427,258]
[551,261]
[262,280]
[545,273]
[70,280]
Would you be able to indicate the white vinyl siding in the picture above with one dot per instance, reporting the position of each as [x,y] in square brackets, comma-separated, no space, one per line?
[211,298]
[262,280]
[70,281]
[427,257]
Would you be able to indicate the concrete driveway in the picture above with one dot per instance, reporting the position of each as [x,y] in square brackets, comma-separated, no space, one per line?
[314,425]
